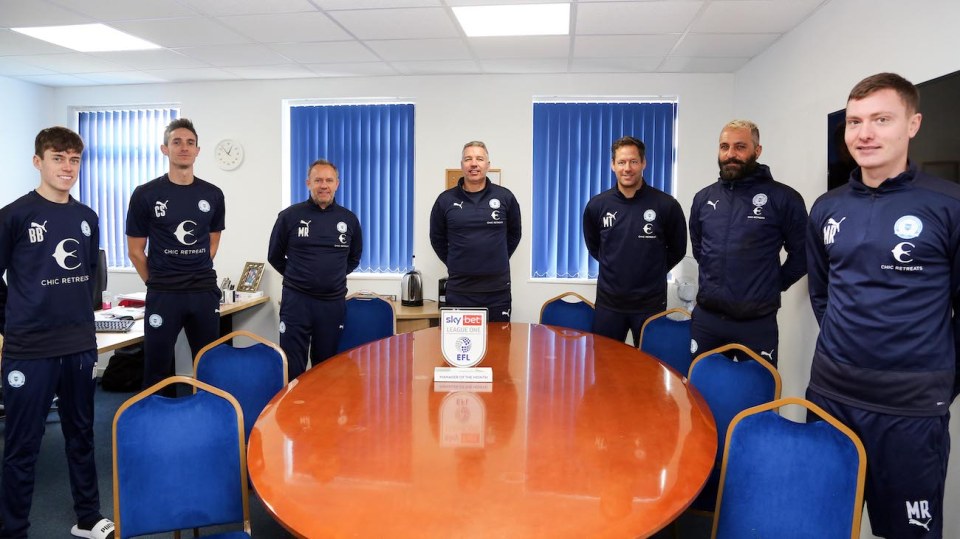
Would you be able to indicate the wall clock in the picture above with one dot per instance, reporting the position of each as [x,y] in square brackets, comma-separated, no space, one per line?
[229,154]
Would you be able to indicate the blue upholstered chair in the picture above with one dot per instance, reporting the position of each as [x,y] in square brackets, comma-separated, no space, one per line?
[790,480]
[730,386]
[369,318]
[179,463]
[253,374]
[666,336]
[576,314]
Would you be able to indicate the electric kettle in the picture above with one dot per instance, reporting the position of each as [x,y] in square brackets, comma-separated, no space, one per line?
[411,289]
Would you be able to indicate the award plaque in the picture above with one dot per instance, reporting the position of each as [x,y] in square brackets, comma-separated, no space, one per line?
[463,342]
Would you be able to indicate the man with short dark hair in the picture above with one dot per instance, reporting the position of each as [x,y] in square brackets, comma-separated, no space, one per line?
[182,216]
[474,229]
[314,245]
[884,262]
[49,247]
[738,227]
[637,233]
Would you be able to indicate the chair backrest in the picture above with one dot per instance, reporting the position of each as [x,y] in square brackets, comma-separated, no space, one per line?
[668,339]
[369,318]
[576,314]
[179,463]
[253,374]
[785,479]
[729,387]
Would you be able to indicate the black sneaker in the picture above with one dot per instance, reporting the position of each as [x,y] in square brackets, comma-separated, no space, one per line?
[101,529]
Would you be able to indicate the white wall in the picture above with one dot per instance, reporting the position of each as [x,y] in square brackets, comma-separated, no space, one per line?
[450,111]
[790,89]
[28,111]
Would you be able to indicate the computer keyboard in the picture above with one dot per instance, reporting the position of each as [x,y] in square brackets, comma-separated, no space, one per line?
[113,326]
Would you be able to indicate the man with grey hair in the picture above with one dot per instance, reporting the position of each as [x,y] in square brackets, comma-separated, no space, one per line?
[474,229]
[738,226]
[314,245]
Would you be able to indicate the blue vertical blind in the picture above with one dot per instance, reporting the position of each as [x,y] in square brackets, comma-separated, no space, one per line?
[571,163]
[372,146]
[122,151]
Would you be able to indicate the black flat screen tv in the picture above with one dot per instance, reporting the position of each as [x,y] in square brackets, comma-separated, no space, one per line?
[935,149]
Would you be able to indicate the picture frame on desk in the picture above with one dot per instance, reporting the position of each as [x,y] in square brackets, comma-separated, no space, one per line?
[250,277]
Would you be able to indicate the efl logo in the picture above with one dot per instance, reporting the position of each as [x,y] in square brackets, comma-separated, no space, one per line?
[472,320]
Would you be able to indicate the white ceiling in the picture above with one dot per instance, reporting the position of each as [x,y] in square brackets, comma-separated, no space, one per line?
[280,39]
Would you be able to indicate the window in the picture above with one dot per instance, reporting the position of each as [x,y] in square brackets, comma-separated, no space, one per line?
[372,146]
[122,151]
[571,163]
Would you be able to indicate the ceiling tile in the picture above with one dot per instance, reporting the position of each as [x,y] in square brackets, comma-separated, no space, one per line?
[525,65]
[333,51]
[71,62]
[331,5]
[189,32]
[57,80]
[123,77]
[440,67]
[279,71]
[190,75]
[608,18]
[245,54]
[352,70]
[401,23]
[19,13]
[630,46]
[521,47]
[116,10]
[719,45]
[680,64]
[753,16]
[15,67]
[223,8]
[421,49]
[615,65]
[281,28]
[151,59]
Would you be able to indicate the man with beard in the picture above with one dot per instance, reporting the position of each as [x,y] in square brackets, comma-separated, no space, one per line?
[738,226]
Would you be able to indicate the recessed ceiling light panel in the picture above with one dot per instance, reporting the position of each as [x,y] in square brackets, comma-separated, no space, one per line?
[88,37]
[514,20]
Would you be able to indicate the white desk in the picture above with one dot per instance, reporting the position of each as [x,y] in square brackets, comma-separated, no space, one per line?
[107,342]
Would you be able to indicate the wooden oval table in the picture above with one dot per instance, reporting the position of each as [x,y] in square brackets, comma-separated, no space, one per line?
[577,436]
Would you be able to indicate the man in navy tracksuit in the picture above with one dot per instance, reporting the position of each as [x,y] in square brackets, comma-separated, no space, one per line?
[637,233]
[314,245]
[183,217]
[49,245]
[884,261]
[474,229]
[738,226]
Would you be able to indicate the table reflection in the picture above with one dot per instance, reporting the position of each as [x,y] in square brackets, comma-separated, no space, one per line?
[577,436]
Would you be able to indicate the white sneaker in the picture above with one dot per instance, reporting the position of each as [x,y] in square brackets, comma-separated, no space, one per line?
[103,529]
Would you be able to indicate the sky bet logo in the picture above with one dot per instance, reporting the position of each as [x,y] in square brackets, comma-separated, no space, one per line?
[468,319]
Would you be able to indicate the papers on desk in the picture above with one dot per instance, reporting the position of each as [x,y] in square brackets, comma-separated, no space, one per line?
[135,313]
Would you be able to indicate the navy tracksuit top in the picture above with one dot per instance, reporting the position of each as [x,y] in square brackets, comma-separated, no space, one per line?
[475,234]
[737,229]
[50,253]
[636,241]
[177,221]
[884,268]
[314,248]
